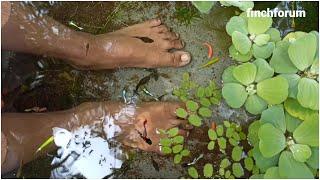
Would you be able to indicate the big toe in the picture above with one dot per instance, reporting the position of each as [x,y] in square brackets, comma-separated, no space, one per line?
[174,59]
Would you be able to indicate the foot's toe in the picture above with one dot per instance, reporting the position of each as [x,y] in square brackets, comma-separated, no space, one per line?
[175,59]
[160,29]
[171,44]
[170,36]
[152,23]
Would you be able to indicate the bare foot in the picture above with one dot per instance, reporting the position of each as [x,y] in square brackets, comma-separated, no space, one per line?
[134,121]
[141,45]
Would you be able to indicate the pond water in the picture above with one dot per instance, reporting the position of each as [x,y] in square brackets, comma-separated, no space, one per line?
[51,83]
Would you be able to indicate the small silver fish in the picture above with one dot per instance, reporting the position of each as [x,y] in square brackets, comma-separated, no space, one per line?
[124,95]
[149,94]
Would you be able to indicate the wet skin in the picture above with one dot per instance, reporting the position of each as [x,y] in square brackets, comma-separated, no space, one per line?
[24,30]
[25,132]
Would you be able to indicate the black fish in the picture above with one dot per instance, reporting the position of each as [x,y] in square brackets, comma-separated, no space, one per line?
[155,164]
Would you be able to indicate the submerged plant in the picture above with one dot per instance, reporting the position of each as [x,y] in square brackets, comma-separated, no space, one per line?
[186,15]
[284,146]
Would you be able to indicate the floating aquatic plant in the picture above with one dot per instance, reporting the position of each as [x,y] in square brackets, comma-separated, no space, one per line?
[172,143]
[198,100]
[285,145]
[252,85]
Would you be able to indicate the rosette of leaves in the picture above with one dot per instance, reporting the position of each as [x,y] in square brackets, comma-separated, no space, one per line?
[252,85]
[242,5]
[172,143]
[296,58]
[229,135]
[251,37]
[186,88]
[285,146]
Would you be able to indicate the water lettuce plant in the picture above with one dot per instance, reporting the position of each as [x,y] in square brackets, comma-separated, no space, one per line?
[252,85]
[296,58]
[285,146]
[251,37]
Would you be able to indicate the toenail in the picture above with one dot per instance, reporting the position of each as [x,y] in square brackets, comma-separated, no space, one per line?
[185,58]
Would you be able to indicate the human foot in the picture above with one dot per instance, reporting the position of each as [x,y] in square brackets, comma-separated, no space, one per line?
[138,124]
[141,45]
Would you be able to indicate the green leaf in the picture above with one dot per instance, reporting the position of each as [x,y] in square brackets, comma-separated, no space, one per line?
[177,148]
[178,140]
[291,122]
[219,130]
[293,36]
[302,51]
[242,136]
[273,90]
[236,55]
[234,94]
[165,142]
[261,39]
[203,6]
[300,152]
[212,134]
[166,150]
[262,162]
[207,92]
[308,93]
[275,116]
[308,133]
[274,34]
[211,145]
[222,143]
[236,136]
[181,113]
[236,153]
[257,176]
[227,76]
[229,132]
[242,5]
[192,106]
[216,99]
[264,70]
[314,69]
[193,172]
[173,132]
[200,92]
[253,132]
[255,170]
[293,107]
[270,144]
[241,42]
[293,80]
[280,60]
[292,169]
[226,124]
[313,161]
[248,163]
[233,142]
[272,173]
[177,158]
[185,152]
[255,104]
[205,112]
[259,25]
[221,172]
[225,163]
[236,23]
[205,102]
[237,170]
[245,73]
[227,174]
[195,120]
[208,170]
[264,51]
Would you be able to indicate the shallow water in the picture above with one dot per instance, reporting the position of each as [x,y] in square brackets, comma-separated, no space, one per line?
[51,83]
